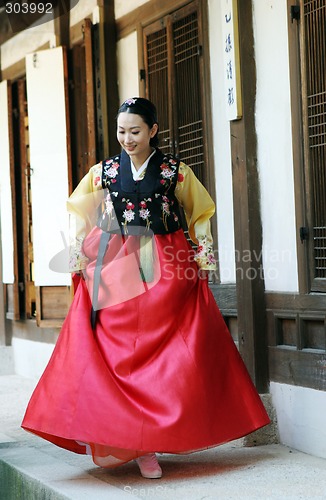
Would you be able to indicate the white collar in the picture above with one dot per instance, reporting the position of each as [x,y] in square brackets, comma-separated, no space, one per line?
[136,174]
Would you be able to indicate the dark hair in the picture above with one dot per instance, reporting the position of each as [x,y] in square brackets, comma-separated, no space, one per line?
[146,109]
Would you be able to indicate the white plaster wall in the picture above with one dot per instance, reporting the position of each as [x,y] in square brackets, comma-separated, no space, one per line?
[48,158]
[301,417]
[28,41]
[6,214]
[83,9]
[222,148]
[122,7]
[128,72]
[30,358]
[275,161]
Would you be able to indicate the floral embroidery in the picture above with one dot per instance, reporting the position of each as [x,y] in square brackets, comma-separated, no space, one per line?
[168,171]
[144,212]
[165,205]
[204,254]
[77,259]
[129,205]
[180,177]
[108,205]
[108,213]
[97,176]
[111,170]
[165,211]
[128,213]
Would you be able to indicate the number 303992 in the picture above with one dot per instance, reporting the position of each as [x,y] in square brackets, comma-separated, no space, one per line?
[29,7]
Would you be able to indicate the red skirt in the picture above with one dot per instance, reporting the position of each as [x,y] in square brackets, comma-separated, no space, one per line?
[159,373]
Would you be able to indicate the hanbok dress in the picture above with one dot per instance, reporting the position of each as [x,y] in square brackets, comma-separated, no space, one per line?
[157,370]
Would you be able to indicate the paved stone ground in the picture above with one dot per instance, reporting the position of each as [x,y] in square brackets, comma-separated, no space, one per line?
[32,469]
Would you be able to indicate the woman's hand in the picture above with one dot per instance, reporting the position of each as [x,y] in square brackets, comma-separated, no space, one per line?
[80,274]
[203,274]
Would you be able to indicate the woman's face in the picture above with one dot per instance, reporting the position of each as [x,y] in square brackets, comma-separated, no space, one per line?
[134,135]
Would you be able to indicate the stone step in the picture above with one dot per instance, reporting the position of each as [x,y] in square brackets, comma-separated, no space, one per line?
[225,473]
[31,474]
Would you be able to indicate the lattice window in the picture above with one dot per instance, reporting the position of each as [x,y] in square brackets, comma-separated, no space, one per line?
[190,123]
[174,82]
[314,27]
[157,74]
[157,82]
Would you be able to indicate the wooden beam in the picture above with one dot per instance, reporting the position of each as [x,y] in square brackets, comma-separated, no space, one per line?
[314,302]
[141,63]
[305,369]
[297,148]
[69,163]
[206,89]
[24,173]
[90,108]
[62,26]
[16,304]
[109,62]
[247,221]
[6,31]
[146,14]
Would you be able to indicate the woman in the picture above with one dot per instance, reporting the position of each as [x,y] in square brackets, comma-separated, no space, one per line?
[144,362]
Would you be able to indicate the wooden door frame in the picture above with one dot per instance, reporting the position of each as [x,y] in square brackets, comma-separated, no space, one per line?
[90,103]
[312,284]
[24,172]
[301,159]
[14,288]
[82,98]
[297,148]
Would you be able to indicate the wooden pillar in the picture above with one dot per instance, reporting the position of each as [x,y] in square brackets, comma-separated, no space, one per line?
[109,75]
[90,109]
[247,219]
[62,26]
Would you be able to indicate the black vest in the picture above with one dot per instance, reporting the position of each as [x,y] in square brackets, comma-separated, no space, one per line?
[147,204]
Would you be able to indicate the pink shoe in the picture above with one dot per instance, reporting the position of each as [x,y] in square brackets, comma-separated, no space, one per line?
[149,466]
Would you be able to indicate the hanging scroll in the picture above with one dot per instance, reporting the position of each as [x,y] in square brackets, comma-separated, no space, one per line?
[231,65]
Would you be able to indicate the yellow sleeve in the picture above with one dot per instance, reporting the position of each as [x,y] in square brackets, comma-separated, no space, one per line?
[199,208]
[82,206]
